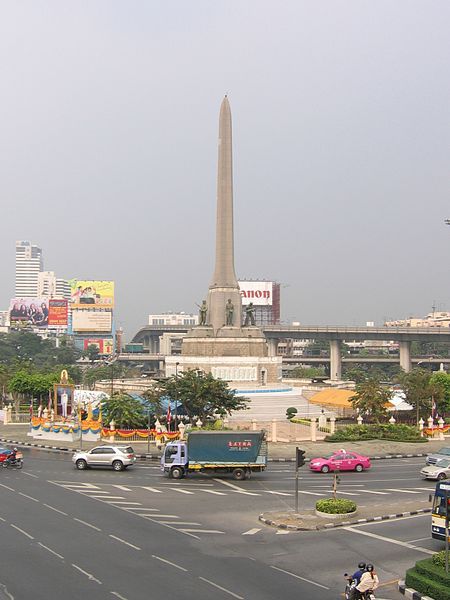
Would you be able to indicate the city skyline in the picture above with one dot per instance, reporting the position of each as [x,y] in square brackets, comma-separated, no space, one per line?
[340,152]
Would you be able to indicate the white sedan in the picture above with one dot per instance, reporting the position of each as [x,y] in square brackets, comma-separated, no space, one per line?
[439,471]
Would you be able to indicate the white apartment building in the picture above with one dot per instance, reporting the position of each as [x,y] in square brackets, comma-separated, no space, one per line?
[170,318]
[29,263]
[49,286]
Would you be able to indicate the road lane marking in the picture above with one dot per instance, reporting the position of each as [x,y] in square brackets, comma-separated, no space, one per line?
[234,487]
[87,524]
[123,541]
[151,489]
[88,575]
[7,487]
[298,577]
[22,531]
[181,491]
[164,516]
[389,540]
[2,519]
[31,475]
[117,595]
[217,493]
[201,530]
[70,484]
[182,523]
[418,540]
[168,562]
[122,487]
[310,493]
[252,531]
[50,550]
[277,493]
[29,497]
[219,587]
[373,492]
[402,491]
[61,512]
[127,502]
[281,532]
[107,497]
[142,508]
[98,493]
[348,493]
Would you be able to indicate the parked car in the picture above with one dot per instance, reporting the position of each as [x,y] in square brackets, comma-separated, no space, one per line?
[4,453]
[439,471]
[340,461]
[117,457]
[442,453]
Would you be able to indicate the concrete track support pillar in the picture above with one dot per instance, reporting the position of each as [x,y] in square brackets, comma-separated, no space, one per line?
[335,360]
[405,356]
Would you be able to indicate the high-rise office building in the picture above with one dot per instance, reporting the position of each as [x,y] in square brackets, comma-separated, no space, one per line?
[29,264]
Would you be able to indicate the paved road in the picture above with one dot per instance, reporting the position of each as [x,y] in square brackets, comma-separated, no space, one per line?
[101,534]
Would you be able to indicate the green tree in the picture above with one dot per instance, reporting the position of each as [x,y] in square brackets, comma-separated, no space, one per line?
[371,399]
[441,380]
[419,391]
[202,395]
[125,411]
[92,352]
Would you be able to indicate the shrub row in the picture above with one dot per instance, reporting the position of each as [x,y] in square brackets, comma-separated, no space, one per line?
[336,506]
[385,431]
[429,578]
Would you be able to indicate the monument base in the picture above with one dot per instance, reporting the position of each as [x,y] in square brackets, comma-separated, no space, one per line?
[226,341]
[256,370]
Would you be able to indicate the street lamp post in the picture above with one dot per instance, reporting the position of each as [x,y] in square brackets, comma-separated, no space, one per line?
[176,396]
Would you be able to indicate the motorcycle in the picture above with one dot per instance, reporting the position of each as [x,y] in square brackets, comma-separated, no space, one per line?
[15,463]
[351,593]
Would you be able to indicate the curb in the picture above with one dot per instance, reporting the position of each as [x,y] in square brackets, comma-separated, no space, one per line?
[411,593]
[157,457]
[279,525]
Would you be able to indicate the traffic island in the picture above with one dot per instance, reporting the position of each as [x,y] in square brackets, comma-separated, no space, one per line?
[427,579]
[310,520]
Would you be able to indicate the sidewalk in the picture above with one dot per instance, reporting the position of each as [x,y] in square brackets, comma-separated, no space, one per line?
[277,451]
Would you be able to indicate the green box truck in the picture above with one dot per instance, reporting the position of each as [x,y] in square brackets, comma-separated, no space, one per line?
[237,452]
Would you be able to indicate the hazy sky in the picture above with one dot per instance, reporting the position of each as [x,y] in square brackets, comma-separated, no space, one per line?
[341,112]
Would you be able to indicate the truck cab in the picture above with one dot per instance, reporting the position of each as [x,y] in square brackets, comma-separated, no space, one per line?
[175,459]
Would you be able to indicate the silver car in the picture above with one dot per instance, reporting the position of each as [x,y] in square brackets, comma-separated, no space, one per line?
[439,471]
[117,457]
[442,453]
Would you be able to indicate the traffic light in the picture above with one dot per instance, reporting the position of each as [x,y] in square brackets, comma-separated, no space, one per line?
[300,458]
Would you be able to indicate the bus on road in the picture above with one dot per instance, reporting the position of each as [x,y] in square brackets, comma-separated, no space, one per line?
[440,511]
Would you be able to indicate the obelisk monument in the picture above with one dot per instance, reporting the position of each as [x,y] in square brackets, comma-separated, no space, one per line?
[224,286]
[221,344]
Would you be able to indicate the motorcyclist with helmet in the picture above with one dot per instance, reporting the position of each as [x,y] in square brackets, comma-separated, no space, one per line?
[369,582]
[12,457]
[351,592]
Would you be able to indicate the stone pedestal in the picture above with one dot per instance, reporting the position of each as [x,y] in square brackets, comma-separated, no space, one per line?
[255,370]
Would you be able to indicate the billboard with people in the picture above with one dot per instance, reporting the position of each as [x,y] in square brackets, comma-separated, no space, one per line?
[29,311]
[91,294]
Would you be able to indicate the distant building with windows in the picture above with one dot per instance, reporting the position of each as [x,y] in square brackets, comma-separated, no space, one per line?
[29,263]
[171,318]
[433,319]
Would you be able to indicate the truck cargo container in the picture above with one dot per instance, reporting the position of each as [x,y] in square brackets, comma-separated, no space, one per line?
[237,452]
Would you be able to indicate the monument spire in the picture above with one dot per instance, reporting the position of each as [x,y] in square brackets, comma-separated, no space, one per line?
[224,285]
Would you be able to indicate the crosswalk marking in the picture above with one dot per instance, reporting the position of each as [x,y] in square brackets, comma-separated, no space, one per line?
[252,531]
[151,489]
[402,491]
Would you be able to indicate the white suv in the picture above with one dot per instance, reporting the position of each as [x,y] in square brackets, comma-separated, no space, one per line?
[117,457]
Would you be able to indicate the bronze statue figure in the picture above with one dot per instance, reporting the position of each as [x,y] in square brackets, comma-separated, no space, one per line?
[203,310]
[229,312]
[249,315]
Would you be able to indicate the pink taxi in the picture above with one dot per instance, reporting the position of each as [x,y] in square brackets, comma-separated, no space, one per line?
[341,460]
